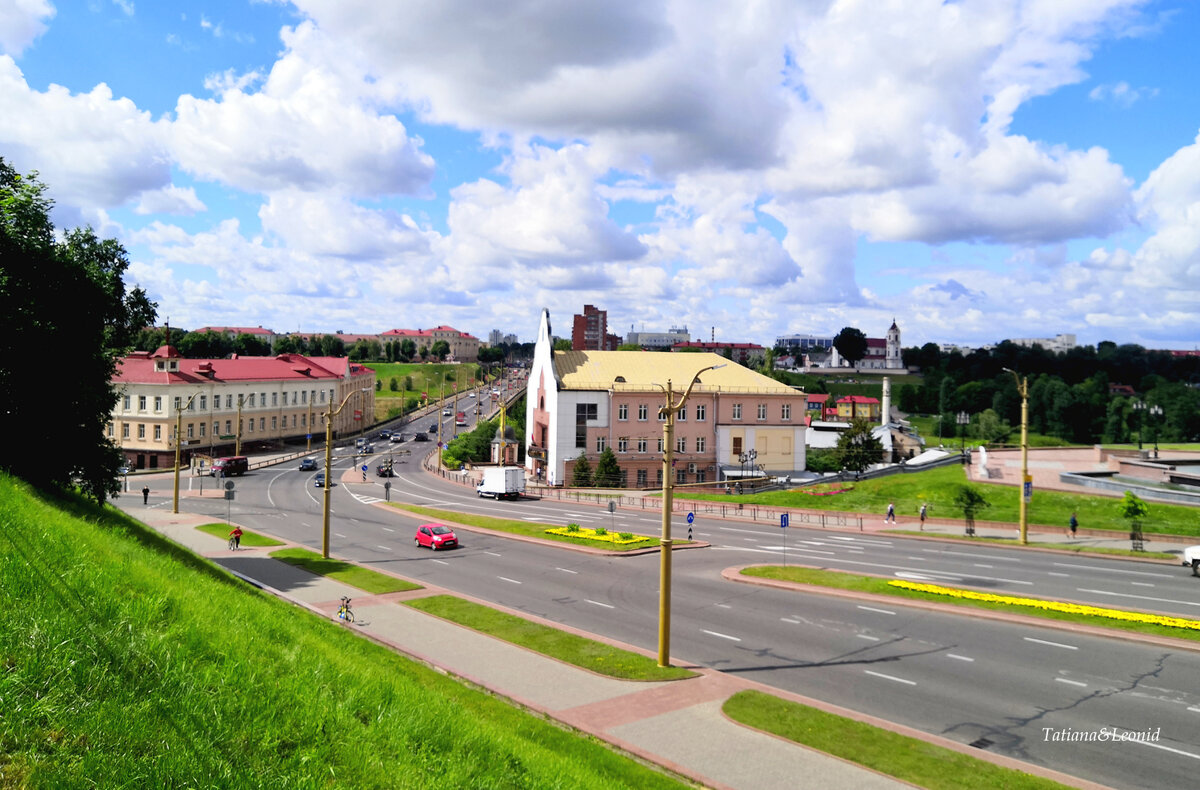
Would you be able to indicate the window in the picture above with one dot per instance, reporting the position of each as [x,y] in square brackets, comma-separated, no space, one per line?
[601,443]
[158,403]
[624,478]
[641,445]
[158,433]
[699,412]
[204,403]
[658,477]
[736,445]
[275,398]
[700,444]
[178,403]
[762,411]
[141,402]
[251,426]
[110,430]
[583,413]
[642,410]
[203,425]
[681,475]
[682,413]
[141,430]
[641,478]
[680,444]
[622,444]
[737,411]
[700,476]
[623,411]
[191,434]
[274,425]
[229,401]
[228,426]
[293,420]
[787,411]
[262,399]
[250,402]
[262,423]
[126,403]
[124,430]
[303,420]
[660,444]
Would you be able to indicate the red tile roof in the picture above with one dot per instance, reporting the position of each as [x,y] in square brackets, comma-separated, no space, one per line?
[139,369]
[857,399]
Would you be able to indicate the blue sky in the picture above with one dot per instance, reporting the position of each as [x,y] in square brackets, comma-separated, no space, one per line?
[976,170]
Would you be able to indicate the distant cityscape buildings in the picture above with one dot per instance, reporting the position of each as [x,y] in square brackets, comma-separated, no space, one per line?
[589,331]
[1057,344]
[658,340]
[496,337]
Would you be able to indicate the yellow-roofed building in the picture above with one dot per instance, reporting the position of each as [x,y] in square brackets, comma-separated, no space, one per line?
[736,423]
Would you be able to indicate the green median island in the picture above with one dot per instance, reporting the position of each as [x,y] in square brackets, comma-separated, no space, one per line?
[1118,619]
[365,579]
[599,657]
[615,541]
[909,759]
[129,661]
[220,529]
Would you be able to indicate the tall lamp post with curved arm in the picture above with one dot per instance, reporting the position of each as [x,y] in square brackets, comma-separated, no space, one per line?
[329,415]
[668,412]
[1023,391]
[178,442]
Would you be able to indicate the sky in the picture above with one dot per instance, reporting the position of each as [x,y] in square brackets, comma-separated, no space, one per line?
[975,170]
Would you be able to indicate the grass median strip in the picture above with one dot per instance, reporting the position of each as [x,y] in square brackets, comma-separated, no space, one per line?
[882,586]
[363,578]
[520,528]
[252,539]
[1075,547]
[601,658]
[909,759]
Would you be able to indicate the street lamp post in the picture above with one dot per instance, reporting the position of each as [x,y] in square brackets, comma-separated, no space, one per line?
[963,420]
[664,587]
[1023,391]
[1155,412]
[178,431]
[1139,407]
[329,415]
[237,439]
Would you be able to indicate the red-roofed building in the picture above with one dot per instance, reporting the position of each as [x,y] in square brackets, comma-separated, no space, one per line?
[852,407]
[746,354]
[818,405]
[463,347]
[251,401]
[266,335]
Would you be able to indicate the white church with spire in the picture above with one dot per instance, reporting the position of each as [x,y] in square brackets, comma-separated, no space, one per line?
[883,353]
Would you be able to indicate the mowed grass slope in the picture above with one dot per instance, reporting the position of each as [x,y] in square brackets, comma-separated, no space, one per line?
[126,661]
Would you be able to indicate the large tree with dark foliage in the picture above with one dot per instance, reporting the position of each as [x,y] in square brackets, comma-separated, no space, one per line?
[63,303]
[851,343]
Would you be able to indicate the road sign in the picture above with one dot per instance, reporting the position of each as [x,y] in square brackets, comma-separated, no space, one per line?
[308,436]
[691,517]
[783,520]
[229,495]
[364,467]
[1028,488]
[228,485]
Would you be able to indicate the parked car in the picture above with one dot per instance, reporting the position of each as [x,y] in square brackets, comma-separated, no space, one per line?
[420,437]
[435,536]
[1191,556]
[308,465]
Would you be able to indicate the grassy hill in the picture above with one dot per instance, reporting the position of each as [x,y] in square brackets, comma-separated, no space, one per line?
[424,377]
[127,661]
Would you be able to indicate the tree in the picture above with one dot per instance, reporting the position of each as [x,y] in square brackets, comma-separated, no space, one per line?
[858,448]
[581,476]
[440,350]
[424,353]
[608,473]
[562,344]
[851,343]
[247,345]
[629,347]
[408,350]
[86,271]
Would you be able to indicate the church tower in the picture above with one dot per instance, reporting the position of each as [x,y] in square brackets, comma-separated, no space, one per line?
[893,360]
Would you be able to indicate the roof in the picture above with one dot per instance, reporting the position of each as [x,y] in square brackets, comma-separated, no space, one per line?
[237,330]
[818,397]
[422,332]
[139,369]
[857,399]
[641,370]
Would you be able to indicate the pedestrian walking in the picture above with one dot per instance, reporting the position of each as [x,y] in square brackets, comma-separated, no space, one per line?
[1074,524]
[891,513]
[923,515]
[145,495]
[235,537]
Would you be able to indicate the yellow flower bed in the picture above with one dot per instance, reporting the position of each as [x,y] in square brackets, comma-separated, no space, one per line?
[1054,606]
[590,534]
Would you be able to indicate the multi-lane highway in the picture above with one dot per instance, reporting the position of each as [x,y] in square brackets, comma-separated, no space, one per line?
[1012,689]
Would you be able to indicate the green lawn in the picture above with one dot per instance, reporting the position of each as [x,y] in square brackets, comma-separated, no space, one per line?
[426,377]
[596,656]
[133,663]
[879,586]
[909,759]
[535,530]
[220,529]
[356,576]
[937,487]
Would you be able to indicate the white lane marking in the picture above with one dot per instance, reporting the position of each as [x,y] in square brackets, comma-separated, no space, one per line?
[917,576]
[1195,709]
[747,531]
[1052,644]
[873,609]
[868,638]
[797,622]
[971,554]
[864,541]
[939,574]
[534,518]
[910,557]
[597,603]
[723,636]
[1139,597]
[388,529]
[1141,584]
[340,535]
[1112,570]
[1063,575]
[981,565]
[890,677]
[385,548]
[494,554]
[564,570]
[440,562]
[752,540]
[958,657]
[702,534]
[1166,749]
[270,483]
[856,551]
[723,605]
[1070,682]
[512,581]
[305,524]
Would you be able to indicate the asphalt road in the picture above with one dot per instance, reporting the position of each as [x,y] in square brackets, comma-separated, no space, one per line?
[967,679]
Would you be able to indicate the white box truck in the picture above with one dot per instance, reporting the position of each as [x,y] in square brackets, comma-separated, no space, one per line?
[502,482]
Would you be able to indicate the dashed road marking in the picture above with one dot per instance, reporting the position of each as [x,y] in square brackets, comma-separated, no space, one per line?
[723,636]
[598,603]
[873,609]
[506,579]
[958,657]
[891,677]
[1071,682]
[1051,644]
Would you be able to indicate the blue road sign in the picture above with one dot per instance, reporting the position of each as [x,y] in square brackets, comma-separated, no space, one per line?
[308,436]
[691,517]
[364,467]
[783,520]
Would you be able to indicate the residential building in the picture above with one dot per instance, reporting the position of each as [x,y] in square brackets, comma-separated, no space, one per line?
[589,331]
[265,335]
[266,400]
[802,344]
[1058,343]
[581,402]
[741,353]
[852,407]
[658,340]
[463,347]
[496,337]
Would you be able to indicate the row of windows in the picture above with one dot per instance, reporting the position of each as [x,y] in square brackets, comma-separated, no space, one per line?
[642,477]
[700,412]
[253,400]
[641,443]
[216,427]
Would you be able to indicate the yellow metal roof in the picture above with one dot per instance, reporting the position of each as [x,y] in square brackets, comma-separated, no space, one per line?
[641,370]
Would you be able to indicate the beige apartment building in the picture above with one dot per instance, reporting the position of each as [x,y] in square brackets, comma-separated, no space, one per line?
[464,347]
[263,401]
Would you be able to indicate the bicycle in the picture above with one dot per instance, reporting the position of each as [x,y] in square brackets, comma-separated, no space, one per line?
[232,544]
[344,612]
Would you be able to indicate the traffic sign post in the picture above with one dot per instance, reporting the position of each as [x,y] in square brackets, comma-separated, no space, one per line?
[387,490]
[783,524]
[1028,489]
[690,518]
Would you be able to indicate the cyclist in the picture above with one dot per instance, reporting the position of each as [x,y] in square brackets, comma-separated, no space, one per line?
[235,538]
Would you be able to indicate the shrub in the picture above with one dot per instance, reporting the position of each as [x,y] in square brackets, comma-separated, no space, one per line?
[625,535]
[600,531]
[572,527]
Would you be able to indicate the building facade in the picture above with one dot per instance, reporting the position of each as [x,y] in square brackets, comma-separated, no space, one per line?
[260,401]
[463,346]
[883,353]
[581,402]
[658,340]
[589,331]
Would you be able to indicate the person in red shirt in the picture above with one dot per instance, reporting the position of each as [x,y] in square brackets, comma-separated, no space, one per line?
[236,537]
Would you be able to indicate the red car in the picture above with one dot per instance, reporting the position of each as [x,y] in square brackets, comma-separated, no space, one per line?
[435,536]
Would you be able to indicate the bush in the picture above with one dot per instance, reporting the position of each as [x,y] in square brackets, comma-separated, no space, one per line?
[625,535]
[572,527]
[600,531]
[394,385]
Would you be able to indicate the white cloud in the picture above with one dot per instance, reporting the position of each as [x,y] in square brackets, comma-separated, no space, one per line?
[339,228]
[21,22]
[170,200]
[1120,94]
